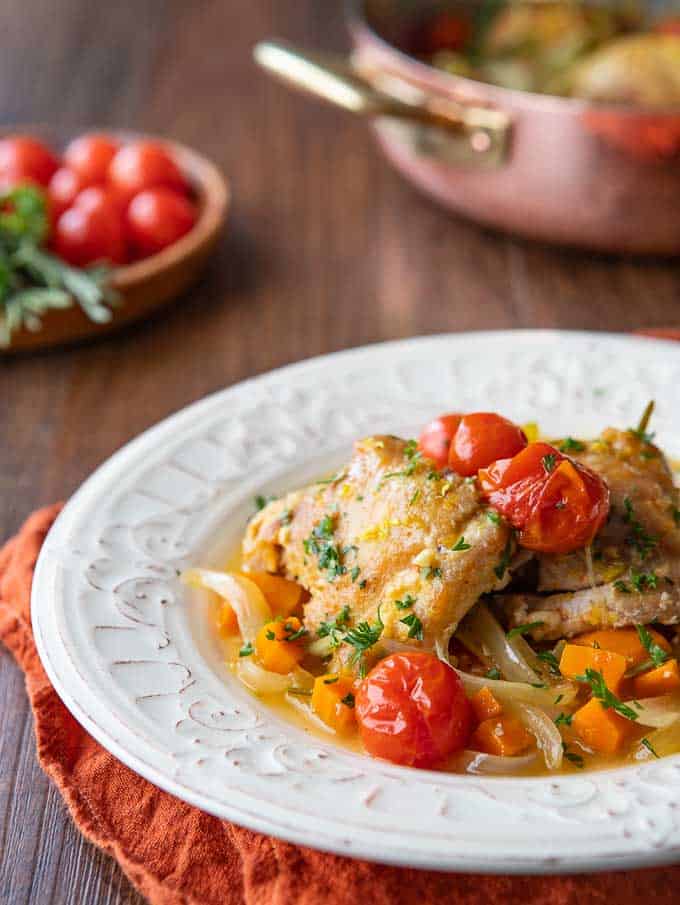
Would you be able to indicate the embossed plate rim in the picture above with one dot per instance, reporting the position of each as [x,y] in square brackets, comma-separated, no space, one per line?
[129,743]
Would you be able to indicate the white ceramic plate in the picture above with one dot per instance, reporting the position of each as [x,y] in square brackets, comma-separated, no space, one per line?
[131,653]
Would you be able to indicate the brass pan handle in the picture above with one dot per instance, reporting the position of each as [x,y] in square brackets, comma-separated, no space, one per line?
[480,135]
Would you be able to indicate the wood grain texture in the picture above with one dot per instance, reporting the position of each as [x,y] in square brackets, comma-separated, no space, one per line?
[327,249]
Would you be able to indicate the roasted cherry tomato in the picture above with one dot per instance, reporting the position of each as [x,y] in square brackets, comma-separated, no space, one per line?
[448,31]
[144,165]
[90,156]
[435,440]
[91,230]
[482,438]
[25,159]
[158,217]
[62,190]
[101,196]
[556,504]
[412,710]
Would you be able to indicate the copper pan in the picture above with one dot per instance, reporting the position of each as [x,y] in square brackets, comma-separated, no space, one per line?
[549,168]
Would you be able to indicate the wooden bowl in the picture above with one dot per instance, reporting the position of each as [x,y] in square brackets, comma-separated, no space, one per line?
[145,285]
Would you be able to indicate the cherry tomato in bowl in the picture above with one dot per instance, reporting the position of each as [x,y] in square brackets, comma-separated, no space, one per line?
[157,218]
[90,155]
[91,231]
[62,190]
[411,709]
[556,504]
[25,159]
[480,439]
[435,438]
[144,165]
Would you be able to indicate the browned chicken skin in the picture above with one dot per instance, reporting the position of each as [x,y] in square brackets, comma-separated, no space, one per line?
[388,528]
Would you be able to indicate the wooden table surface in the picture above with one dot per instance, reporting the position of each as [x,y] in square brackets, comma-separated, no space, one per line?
[326,249]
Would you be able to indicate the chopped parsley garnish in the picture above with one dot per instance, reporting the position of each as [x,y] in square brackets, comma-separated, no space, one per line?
[320,544]
[460,545]
[558,698]
[286,517]
[332,479]
[675,512]
[549,461]
[657,654]
[414,498]
[648,745]
[363,583]
[547,656]
[406,603]
[415,626]
[331,681]
[293,634]
[493,673]
[523,629]
[621,586]
[504,561]
[641,430]
[362,638]
[269,634]
[247,650]
[430,572]
[262,501]
[493,516]
[570,445]
[563,719]
[639,539]
[644,581]
[572,757]
[414,458]
[411,448]
[331,628]
[354,574]
[561,504]
[348,700]
[606,697]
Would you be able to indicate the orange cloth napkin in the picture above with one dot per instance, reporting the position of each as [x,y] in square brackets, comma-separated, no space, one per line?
[177,855]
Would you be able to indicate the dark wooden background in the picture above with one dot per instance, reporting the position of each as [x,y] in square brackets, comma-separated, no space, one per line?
[326,249]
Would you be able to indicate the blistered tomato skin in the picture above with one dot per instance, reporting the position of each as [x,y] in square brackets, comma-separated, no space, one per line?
[412,710]
[435,439]
[480,439]
[556,504]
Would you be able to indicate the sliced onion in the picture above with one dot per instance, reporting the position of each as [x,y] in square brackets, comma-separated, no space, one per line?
[664,742]
[477,762]
[259,680]
[262,681]
[303,706]
[494,642]
[520,692]
[242,595]
[657,712]
[544,730]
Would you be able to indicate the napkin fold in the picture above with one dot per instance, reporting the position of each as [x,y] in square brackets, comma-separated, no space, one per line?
[177,855]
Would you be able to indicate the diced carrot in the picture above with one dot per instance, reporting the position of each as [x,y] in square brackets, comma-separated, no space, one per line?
[602,730]
[662,680]
[504,736]
[485,705]
[227,623]
[283,596]
[624,641]
[275,650]
[333,701]
[576,659]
